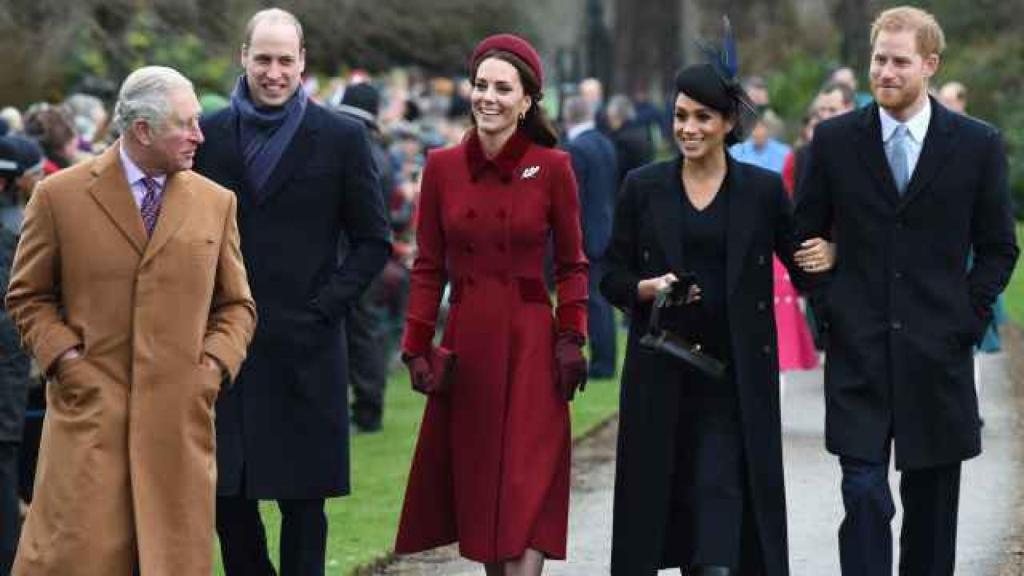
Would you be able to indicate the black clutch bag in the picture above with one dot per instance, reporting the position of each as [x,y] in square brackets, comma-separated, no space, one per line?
[664,341]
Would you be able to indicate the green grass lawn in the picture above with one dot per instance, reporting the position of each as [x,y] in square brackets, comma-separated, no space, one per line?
[362,526]
[1014,296]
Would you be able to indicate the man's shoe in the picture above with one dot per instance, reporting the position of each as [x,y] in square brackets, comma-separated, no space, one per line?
[366,428]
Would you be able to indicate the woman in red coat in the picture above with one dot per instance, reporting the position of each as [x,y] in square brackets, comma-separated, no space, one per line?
[491,469]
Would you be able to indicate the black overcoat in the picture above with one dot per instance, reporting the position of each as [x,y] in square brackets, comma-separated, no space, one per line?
[282,429]
[14,363]
[900,310]
[646,243]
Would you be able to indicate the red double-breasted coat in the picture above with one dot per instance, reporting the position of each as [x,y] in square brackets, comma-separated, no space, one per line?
[491,468]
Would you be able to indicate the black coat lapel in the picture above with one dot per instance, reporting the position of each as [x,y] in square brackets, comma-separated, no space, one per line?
[939,143]
[743,211]
[295,155]
[221,156]
[667,207]
[872,153]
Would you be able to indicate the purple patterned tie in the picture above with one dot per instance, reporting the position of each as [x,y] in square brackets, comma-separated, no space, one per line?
[150,204]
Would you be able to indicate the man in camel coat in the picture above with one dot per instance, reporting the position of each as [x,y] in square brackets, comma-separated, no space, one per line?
[129,290]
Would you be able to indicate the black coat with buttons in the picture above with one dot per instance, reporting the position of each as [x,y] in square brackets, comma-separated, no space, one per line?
[646,244]
[901,311]
[282,429]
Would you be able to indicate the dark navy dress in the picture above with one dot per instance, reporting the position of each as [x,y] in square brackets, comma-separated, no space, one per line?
[708,479]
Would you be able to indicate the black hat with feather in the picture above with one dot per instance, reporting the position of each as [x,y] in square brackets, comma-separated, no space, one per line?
[715,83]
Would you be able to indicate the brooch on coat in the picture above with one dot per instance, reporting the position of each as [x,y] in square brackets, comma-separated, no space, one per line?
[530,172]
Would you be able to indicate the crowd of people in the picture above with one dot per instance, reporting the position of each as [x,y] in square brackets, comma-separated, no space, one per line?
[357,217]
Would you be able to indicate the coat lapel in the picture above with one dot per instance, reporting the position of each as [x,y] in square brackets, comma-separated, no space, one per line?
[667,206]
[743,210]
[174,206]
[295,155]
[938,145]
[872,153]
[111,190]
[224,139]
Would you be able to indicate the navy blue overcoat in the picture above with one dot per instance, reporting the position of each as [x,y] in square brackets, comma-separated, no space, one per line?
[282,429]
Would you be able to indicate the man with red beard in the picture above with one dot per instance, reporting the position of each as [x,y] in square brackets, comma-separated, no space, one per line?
[909,189]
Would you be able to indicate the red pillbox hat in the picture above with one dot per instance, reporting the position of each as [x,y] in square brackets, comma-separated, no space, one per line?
[512,44]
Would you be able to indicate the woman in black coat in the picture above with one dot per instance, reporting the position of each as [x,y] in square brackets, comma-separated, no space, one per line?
[699,482]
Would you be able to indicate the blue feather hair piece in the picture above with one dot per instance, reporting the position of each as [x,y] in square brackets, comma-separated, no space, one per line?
[725,60]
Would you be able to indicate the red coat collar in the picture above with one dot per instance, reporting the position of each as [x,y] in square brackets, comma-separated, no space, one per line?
[504,164]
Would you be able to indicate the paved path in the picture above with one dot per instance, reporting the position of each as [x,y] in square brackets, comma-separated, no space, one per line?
[989,492]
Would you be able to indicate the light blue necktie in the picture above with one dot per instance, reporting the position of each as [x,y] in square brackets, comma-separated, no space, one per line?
[897,155]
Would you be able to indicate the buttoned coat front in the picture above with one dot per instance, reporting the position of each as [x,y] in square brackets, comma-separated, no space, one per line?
[646,243]
[282,432]
[491,468]
[127,453]
[900,310]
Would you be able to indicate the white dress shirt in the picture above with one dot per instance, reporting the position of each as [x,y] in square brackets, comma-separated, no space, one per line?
[135,175]
[917,128]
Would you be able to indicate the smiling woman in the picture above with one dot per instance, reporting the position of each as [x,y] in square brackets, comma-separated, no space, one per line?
[498,100]
[491,469]
[699,463]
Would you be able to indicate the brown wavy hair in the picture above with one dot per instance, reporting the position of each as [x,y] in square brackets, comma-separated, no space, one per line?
[535,123]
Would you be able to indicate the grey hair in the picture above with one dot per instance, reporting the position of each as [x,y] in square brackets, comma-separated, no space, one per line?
[86,111]
[577,110]
[621,107]
[83,104]
[144,96]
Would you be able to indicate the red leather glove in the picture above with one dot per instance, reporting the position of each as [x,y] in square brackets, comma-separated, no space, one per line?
[570,365]
[420,375]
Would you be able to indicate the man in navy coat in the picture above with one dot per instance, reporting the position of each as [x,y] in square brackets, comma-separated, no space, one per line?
[304,177]
[909,190]
[594,163]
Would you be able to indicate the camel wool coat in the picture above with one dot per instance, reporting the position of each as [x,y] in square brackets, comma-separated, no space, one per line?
[127,455]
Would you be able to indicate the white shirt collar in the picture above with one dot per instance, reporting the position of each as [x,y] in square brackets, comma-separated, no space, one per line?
[578,129]
[917,125]
[132,171]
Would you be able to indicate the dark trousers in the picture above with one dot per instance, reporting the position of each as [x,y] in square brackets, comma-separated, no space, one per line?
[601,327]
[930,497]
[367,363]
[10,516]
[243,541]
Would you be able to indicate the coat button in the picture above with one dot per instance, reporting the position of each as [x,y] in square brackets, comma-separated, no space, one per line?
[469,248]
[501,248]
[760,259]
[897,275]
[767,349]
[762,306]
[896,325]
[645,255]
[502,214]
[471,213]
[470,282]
